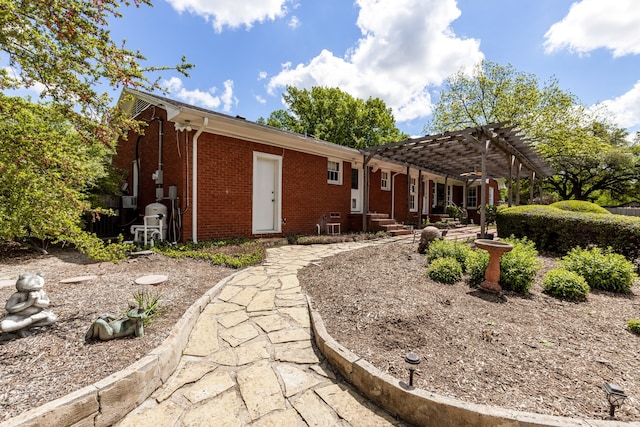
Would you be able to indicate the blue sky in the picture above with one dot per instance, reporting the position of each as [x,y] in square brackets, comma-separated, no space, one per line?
[401,51]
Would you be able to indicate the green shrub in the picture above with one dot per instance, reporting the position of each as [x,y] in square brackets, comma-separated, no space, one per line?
[518,267]
[565,284]
[579,206]
[476,265]
[448,248]
[558,231]
[602,269]
[634,325]
[445,270]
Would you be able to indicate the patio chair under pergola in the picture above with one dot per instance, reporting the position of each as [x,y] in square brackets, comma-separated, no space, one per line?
[496,150]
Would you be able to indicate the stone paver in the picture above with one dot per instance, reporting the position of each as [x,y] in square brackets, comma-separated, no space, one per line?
[251,360]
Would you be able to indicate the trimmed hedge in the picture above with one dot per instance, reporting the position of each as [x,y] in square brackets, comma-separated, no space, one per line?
[579,206]
[558,231]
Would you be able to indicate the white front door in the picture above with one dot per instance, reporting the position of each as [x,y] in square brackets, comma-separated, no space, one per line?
[356,189]
[267,191]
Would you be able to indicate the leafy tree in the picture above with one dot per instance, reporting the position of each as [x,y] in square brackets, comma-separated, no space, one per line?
[333,115]
[52,154]
[590,155]
[593,162]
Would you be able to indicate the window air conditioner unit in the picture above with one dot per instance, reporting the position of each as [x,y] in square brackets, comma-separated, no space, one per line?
[129,202]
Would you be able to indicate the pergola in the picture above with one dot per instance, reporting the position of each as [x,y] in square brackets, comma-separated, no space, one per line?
[496,150]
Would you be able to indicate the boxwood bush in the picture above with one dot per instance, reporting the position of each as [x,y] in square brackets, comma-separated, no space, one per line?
[634,325]
[448,248]
[445,270]
[476,265]
[558,231]
[518,267]
[602,269]
[565,284]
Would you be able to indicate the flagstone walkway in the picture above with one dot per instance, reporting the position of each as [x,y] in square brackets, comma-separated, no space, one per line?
[251,360]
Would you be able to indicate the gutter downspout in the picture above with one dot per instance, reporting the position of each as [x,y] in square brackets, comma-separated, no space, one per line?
[194,185]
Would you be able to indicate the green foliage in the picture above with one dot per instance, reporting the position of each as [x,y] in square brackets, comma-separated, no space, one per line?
[46,176]
[445,270]
[518,267]
[476,266]
[634,325]
[323,239]
[490,213]
[589,153]
[579,206]
[151,304]
[235,253]
[557,231]
[335,116]
[602,269]
[55,154]
[453,212]
[448,248]
[565,284]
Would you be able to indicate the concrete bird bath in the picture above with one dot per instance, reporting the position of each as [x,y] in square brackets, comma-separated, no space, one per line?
[492,275]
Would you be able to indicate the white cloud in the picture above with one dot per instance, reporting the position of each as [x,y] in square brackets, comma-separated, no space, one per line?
[262,75]
[36,87]
[261,99]
[208,99]
[406,47]
[593,24]
[294,22]
[233,13]
[626,107]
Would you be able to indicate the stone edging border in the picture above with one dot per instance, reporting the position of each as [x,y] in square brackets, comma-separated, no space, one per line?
[423,408]
[107,401]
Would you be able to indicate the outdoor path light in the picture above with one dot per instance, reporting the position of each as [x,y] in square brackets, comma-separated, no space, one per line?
[411,362]
[615,396]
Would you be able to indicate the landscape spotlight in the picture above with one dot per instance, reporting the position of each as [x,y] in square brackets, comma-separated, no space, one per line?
[615,396]
[411,362]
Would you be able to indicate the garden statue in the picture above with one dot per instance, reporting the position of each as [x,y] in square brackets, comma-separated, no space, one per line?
[428,235]
[27,307]
[110,326]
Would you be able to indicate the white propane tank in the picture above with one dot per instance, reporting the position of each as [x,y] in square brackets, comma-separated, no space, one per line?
[154,209]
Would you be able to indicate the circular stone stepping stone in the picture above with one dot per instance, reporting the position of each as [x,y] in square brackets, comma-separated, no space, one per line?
[78,279]
[152,279]
[7,282]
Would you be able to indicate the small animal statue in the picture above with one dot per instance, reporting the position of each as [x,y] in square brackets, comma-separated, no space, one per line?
[110,326]
[27,307]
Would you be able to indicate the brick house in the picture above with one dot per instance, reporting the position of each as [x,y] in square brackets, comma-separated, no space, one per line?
[217,176]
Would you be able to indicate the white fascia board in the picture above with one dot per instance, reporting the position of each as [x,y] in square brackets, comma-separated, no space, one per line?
[245,130]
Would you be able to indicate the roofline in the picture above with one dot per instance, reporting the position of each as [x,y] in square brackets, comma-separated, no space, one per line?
[239,127]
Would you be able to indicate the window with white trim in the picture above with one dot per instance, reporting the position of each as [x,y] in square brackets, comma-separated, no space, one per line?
[385,182]
[413,197]
[333,172]
[472,197]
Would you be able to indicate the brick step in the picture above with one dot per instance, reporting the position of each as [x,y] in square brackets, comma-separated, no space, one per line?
[382,222]
[393,227]
[400,232]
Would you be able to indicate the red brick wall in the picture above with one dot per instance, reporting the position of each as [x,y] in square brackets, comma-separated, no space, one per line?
[225,182]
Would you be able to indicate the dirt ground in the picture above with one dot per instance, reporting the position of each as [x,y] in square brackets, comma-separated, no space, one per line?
[55,360]
[535,353]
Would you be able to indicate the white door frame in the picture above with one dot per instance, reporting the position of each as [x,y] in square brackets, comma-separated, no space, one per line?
[356,194]
[265,204]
